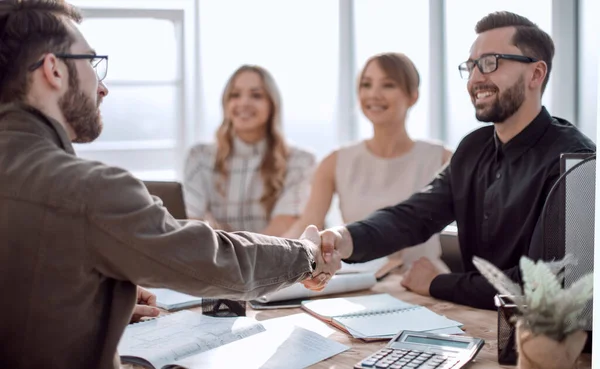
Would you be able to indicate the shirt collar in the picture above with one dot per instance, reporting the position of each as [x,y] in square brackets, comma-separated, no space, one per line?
[34,121]
[525,139]
[241,148]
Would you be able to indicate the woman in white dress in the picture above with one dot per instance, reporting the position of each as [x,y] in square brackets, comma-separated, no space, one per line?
[384,169]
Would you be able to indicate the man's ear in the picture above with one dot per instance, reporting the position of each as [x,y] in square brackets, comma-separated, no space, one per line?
[539,74]
[54,72]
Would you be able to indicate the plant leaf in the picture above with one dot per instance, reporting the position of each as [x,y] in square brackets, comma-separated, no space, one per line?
[499,280]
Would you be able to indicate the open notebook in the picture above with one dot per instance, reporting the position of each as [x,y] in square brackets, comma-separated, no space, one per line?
[166,340]
[377,317]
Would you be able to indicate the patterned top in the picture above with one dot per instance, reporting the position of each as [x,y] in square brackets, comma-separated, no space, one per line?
[241,209]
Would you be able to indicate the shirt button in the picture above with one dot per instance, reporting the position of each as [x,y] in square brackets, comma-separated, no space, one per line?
[498,175]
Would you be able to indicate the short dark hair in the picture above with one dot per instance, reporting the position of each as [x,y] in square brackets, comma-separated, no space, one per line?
[28,29]
[529,38]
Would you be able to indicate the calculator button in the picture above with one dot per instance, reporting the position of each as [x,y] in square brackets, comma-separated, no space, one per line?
[449,364]
[382,365]
[369,363]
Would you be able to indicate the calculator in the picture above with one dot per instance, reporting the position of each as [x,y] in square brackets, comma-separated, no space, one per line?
[423,350]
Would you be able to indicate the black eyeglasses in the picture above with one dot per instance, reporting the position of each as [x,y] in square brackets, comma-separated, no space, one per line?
[488,63]
[98,62]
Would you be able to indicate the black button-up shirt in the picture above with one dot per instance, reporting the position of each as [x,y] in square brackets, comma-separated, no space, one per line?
[495,192]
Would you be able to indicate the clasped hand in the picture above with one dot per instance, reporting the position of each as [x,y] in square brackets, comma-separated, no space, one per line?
[327,257]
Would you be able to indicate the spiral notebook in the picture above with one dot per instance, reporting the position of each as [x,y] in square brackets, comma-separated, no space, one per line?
[377,317]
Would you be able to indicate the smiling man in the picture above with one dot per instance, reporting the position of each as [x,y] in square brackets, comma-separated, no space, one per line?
[77,236]
[498,179]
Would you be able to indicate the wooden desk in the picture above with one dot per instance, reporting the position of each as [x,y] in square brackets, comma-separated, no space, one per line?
[477,323]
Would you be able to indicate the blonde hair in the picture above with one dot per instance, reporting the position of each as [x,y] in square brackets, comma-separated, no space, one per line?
[399,68]
[274,163]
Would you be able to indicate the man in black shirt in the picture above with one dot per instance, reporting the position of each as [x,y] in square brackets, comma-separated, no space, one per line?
[498,178]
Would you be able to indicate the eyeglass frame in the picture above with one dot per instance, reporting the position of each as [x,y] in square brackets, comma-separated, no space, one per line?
[38,64]
[514,57]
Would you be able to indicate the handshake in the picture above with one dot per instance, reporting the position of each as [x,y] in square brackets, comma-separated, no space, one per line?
[329,248]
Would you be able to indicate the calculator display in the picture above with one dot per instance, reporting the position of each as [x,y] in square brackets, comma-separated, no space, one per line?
[435,341]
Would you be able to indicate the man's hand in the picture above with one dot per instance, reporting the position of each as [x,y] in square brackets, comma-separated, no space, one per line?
[419,276]
[338,238]
[328,259]
[146,305]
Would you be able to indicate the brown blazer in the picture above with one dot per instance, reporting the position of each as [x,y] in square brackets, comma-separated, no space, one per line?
[76,238]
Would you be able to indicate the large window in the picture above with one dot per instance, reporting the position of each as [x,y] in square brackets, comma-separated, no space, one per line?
[170,60]
[461,17]
[297,42]
[142,113]
[589,53]
[386,26]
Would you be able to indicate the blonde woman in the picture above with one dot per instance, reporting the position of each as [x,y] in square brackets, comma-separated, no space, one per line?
[250,179]
[386,168]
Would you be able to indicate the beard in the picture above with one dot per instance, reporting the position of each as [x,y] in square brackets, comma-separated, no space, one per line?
[79,110]
[504,106]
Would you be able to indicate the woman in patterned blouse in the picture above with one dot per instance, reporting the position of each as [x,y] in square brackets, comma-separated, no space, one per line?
[250,179]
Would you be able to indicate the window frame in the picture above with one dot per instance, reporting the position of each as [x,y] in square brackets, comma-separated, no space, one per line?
[568,20]
[183,13]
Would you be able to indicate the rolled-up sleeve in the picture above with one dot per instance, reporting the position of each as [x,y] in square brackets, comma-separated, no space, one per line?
[133,237]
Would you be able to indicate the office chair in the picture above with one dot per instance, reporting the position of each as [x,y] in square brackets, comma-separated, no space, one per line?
[171,194]
[566,227]
[567,222]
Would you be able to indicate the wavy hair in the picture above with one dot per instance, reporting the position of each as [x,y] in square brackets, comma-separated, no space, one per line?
[274,163]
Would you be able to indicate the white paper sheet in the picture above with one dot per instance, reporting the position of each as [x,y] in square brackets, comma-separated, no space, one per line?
[170,300]
[283,345]
[368,267]
[169,338]
[339,283]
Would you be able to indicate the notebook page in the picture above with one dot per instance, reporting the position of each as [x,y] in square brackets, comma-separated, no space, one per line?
[341,306]
[414,319]
[168,299]
[368,267]
[172,337]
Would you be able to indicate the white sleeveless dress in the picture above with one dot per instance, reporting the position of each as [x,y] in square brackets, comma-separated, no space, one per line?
[365,183]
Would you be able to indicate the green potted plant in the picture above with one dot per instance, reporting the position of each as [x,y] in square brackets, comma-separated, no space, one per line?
[549,328]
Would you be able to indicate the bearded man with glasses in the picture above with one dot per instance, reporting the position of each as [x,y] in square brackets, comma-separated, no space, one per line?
[498,179]
[78,235]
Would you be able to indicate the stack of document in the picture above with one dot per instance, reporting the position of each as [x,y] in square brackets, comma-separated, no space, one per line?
[191,340]
[351,277]
[379,317]
[292,342]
